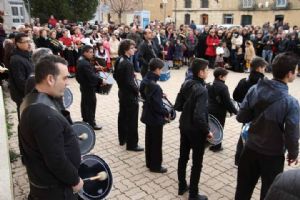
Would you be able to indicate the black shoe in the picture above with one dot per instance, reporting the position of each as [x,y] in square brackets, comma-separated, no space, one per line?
[215,149]
[161,170]
[122,143]
[181,191]
[137,148]
[199,197]
[97,127]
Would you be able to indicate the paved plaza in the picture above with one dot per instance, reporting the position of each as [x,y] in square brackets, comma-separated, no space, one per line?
[132,180]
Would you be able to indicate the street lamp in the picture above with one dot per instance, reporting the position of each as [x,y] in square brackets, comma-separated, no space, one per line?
[175,12]
[165,5]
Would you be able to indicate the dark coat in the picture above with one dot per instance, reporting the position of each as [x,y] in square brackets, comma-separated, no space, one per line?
[286,186]
[145,53]
[274,117]
[42,42]
[154,112]
[20,69]
[219,101]
[49,146]
[124,75]
[245,84]
[192,100]
[86,75]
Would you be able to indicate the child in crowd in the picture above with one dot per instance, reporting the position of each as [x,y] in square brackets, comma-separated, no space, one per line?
[219,58]
[178,54]
[249,54]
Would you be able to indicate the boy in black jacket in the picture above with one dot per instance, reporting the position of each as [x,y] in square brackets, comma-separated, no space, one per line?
[154,115]
[193,124]
[219,100]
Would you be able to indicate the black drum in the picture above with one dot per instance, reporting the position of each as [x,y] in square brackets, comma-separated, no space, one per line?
[168,105]
[91,166]
[236,104]
[216,129]
[105,89]
[67,98]
[85,135]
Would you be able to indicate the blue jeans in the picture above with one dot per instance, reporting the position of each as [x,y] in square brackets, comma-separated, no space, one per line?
[268,55]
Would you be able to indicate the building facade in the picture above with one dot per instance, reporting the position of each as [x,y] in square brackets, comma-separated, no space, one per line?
[15,13]
[239,12]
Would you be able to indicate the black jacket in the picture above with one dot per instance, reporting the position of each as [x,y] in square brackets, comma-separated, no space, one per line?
[286,186]
[42,42]
[154,112]
[219,101]
[145,53]
[192,100]
[245,84]
[124,75]
[86,75]
[20,69]
[48,144]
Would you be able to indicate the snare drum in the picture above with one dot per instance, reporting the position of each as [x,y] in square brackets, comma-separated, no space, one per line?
[216,129]
[105,89]
[168,105]
[67,98]
[90,166]
[85,135]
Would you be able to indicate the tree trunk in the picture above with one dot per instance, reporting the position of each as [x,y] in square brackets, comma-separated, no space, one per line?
[120,17]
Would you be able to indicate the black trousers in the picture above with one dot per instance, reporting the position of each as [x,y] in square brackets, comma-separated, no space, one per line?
[239,150]
[252,166]
[88,105]
[51,194]
[197,145]
[153,150]
[144,70]
[128,123]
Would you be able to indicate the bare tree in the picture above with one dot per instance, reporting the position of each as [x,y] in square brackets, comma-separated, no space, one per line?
[120,6]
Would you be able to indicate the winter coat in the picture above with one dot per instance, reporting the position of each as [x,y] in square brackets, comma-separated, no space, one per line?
[212,43]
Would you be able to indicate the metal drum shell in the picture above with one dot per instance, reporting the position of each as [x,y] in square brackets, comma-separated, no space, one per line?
[216,129]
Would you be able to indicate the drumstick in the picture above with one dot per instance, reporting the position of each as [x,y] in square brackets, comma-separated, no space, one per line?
[102,70]
[83,136]
[101,176]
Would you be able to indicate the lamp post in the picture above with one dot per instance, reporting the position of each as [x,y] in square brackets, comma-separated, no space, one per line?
[175,12]
[165,6]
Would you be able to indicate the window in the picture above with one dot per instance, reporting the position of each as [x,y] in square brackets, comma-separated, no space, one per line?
[14,11]
[204,3]
[228,19]
[188,3]
[280,3]
[187,19]
[247,3]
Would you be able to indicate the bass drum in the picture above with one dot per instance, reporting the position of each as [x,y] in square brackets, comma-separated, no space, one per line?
[90,166]
[67,98]
[216,129]
[85,135]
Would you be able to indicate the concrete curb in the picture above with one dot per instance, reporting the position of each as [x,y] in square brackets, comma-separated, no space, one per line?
[6,186]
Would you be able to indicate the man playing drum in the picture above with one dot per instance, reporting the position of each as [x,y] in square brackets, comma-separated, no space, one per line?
[48,145]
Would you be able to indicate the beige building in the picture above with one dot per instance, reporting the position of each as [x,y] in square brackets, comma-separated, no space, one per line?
[240,12]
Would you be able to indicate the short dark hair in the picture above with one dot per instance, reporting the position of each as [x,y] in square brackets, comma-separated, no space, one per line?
[125,46]
[86,48]
[198,64]
[283,63]
[257,62]
[220,72]
[155,63]
[19,36]
[47,65]
[39,53]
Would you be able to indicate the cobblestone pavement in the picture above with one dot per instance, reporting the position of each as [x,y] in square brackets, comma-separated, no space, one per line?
[132,180]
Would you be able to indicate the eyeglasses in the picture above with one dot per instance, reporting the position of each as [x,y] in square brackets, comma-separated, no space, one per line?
[25,41]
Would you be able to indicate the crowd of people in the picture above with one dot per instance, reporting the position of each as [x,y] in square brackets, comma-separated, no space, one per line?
[82,50]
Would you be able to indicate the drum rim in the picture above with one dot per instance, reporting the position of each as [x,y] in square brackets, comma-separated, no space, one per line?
[83,194]
[71,95]
[220,127]
[94,135]
[170,105]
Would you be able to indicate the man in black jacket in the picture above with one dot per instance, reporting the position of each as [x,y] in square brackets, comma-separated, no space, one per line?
[257,66]
[192,100]
[48,144]
[146,52]
[128,97]
[219,101]
[20,68]
[89,80]
[154,115]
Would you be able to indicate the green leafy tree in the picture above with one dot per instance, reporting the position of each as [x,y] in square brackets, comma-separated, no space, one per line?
[73,10]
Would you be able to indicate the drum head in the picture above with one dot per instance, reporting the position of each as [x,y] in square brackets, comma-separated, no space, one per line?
[216,129]
[85,135]
[67,98]
[90,166]
[167,104]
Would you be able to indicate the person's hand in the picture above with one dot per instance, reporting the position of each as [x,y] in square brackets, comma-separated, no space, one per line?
[99,67]
[210,135]
[291,161]
[164,95]
[78,187]
[104,82]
